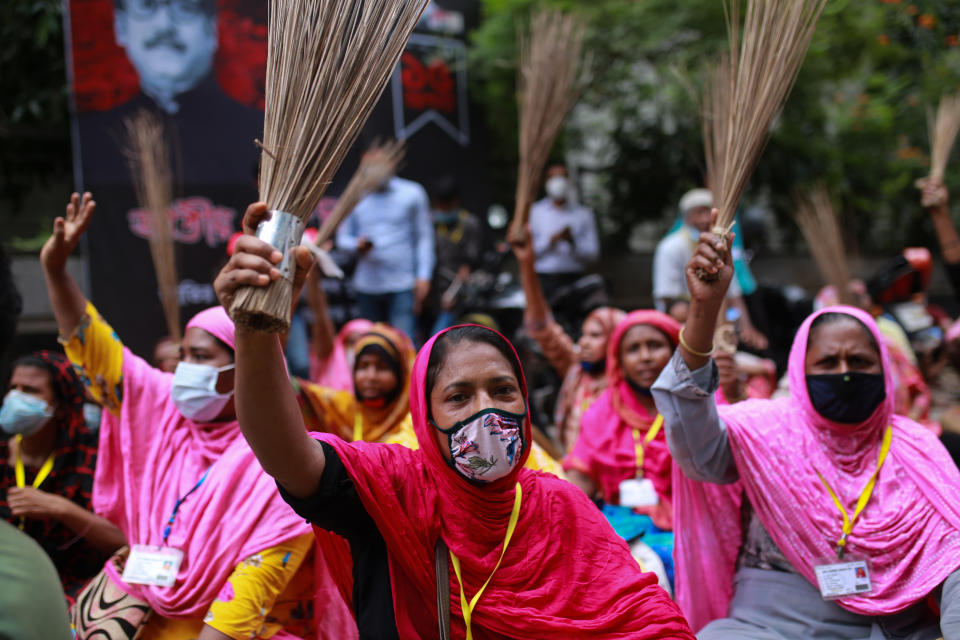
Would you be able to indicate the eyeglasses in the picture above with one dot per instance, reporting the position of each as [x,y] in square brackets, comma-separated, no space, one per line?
[180,10]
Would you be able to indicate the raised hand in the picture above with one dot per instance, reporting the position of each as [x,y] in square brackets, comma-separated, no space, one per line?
[711,257]
[254,261]
[521,241]
[67,231]
[933,194]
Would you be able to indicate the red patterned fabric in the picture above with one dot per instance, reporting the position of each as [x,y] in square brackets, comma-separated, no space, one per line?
[565,574]
[75,457]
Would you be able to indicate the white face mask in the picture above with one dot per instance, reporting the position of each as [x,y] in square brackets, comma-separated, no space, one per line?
[486,446]
[194,391]
[557,187]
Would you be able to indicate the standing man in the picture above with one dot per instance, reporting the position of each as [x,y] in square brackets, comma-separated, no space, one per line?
[670,293]
[564,234]
[459,242]
[391,232]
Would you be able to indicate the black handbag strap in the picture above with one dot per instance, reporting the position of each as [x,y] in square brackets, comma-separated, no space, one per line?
[441,565]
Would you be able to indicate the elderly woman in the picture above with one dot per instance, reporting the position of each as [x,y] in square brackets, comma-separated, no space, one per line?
[175,473]
[48,464]
[512,548]
[845,519]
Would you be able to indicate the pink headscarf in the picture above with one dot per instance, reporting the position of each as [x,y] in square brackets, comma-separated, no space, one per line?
[605,450]
[565,568]
[910,529]
[334,371]
[151,455]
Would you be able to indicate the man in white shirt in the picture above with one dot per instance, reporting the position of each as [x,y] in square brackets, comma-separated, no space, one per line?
[670,260]
[564,234]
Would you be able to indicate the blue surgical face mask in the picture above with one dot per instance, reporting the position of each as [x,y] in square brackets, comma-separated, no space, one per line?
[23,413]
[445,217]
[640,391]
[850,398]
[594,367]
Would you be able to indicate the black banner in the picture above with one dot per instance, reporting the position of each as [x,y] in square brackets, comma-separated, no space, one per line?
[200,65]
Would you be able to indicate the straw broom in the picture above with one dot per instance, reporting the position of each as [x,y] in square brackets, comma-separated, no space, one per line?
[328,61]
[549,82]
[377,165]
[943,129]
[148,157]
[748,90]
[817,219]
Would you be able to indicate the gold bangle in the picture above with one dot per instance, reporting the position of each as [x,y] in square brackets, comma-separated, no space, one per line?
[701,354]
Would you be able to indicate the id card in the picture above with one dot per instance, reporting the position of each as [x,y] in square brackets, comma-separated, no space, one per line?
[638,492]
[841,578]
[156,566]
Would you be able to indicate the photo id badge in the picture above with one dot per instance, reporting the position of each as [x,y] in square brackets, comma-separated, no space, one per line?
[638,492]
[156,566]
[840,578]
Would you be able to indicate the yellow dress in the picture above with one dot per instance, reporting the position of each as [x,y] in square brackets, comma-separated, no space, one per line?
[268,591]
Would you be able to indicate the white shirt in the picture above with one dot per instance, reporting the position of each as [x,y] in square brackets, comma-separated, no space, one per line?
[547,219]
[670,264]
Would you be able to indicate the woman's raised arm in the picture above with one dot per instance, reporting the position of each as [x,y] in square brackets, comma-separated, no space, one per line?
[66,298]
[267,409]
[711,258]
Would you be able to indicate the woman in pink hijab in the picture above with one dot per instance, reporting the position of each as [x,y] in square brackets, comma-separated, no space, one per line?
[581,364]
[175,474]
[839,519]
[621,450]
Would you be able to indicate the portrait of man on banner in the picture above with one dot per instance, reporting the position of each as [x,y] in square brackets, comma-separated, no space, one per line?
[200,66]
[170,43]
[200,63]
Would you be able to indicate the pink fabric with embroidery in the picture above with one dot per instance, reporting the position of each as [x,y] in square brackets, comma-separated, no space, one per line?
[151,455]
[910,529]
[565,568]
[334,371]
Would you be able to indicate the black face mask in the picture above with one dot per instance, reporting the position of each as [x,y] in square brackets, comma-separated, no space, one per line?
[640,391]
[846,397]
[594,367]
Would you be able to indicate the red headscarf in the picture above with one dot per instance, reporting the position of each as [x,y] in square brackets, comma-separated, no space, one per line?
[606,450]
[565,572]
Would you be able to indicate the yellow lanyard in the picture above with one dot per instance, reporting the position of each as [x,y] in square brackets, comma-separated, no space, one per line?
[357,425]
[641,443]
[466,607]
[456,235]
[21,475]
[848,521]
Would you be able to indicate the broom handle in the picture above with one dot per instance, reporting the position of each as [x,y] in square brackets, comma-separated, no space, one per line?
[521,216]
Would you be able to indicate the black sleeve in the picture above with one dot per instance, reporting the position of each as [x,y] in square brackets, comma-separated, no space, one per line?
[335,506]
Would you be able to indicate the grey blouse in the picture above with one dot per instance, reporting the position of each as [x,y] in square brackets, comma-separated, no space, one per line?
[699,443]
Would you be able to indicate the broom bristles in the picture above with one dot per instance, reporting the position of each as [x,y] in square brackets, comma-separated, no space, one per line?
[377,165]
[327,65]
[817,219]
[943,130]
[549,81]
[148,157]
[758,72]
